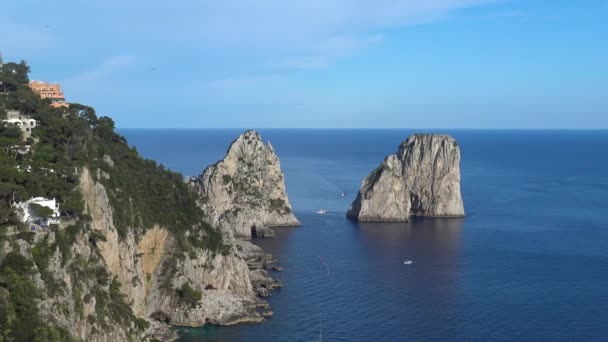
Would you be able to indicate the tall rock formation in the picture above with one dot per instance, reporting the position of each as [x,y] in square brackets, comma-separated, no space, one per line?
[149,273]
[422,179]
[245,192]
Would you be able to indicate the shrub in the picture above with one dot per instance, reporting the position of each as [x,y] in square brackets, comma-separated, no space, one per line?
[188,295]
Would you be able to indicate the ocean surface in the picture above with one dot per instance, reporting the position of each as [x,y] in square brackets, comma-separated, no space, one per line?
[529,262]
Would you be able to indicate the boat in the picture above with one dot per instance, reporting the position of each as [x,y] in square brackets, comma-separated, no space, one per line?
[342,193]
[321,211]
[408,262]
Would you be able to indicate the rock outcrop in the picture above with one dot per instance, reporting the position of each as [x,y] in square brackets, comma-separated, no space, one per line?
[103,279]
[245,192]
[422,179]
[148,272]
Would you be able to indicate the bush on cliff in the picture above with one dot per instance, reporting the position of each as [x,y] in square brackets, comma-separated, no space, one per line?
[188,295]
[19,319]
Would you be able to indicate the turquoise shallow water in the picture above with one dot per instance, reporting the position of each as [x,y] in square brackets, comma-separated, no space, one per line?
[528,262]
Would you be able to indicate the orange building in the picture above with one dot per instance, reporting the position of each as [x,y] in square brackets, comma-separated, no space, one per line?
[50,91]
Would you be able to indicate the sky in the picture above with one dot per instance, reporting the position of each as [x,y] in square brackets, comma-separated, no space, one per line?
[502,64]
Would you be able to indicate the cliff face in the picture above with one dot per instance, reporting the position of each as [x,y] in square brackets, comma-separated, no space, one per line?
[422,179]
[101,283]
[245,192]
[121,257]
[149,271]
[74,298]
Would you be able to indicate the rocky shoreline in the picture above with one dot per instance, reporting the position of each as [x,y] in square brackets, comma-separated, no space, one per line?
[244,196]
[255,310]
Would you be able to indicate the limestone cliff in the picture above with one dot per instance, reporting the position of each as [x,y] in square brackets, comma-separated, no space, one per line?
[422,179]
[150,268]
[102,283]
[245,192]
[77,293]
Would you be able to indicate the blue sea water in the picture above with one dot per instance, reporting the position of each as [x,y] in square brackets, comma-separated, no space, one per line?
[529,262]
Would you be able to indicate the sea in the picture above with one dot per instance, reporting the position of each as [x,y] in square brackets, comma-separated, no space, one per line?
[529,262]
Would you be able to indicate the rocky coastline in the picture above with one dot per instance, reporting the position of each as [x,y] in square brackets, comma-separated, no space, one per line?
[118,247]
[232,283]
[244,196]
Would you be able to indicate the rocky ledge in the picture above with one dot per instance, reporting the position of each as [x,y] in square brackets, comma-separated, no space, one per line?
[422,179]
[245,192]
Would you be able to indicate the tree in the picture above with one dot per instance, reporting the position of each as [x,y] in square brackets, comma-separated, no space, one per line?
[189,295]
[86,112]
[105,127]
[41,211]
[73,206]
[9,131]
[17,72]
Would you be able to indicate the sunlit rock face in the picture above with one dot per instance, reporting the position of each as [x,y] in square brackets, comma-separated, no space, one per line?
[421,179]
[245,192]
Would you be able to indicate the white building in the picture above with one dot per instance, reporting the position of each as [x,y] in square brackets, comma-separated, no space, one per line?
[28,214]
[24,122]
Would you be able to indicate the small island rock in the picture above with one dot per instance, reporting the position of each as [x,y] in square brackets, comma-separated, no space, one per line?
[422,179]
[245,192]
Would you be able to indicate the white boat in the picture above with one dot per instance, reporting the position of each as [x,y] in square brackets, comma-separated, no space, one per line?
[321,211]
[408,262]
[342,193]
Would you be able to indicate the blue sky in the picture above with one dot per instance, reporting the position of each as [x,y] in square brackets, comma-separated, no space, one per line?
[321,63]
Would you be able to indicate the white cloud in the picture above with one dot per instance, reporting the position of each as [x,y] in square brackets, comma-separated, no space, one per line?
[229,47]
[284,29]
[290,34]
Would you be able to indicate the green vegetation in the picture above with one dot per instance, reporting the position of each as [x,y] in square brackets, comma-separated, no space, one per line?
[48,170]
[41,211]
[188,295]
[142,194]
[375,175]
[64,239]
[279,205]
[19,320]
[41,253]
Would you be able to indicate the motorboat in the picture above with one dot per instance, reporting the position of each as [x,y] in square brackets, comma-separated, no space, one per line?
[408,262]
[321,211]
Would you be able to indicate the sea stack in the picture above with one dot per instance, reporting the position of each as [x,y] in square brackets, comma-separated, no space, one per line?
[422,179]
[245,192]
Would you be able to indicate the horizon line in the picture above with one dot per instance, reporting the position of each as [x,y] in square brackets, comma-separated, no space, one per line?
[368,128]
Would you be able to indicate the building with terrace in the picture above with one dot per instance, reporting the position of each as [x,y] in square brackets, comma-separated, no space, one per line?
[39,211]
[50,91]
